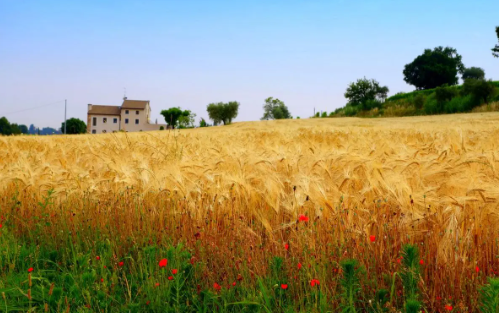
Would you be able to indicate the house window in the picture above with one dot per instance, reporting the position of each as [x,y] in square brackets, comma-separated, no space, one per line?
[126,121]
[115,120]
[93,130]
[94,121]
[137,121]
[137,112]
[104,120]
[126,111]
[104,131]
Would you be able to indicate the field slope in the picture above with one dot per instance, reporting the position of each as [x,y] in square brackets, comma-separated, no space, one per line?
[233,195]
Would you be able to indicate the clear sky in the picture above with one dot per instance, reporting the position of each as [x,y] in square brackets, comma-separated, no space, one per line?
[190,53]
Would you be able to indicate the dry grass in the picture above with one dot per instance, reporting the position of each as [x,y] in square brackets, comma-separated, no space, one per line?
[242,187]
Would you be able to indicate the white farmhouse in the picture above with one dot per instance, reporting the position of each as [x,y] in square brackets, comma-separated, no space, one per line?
[131,116]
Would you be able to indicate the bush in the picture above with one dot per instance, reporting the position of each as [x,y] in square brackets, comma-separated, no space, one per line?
[324,114]
[161,128]
[419,101]
[445,93]
[484,91]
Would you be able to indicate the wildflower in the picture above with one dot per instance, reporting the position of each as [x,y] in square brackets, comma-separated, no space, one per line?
[156,284]
[0,225]
[174,271]
[121,264]
[30,270]
[448,307]
[372,238]
[147,303]
[399,260]
[477,269]
[217,287]
[299,265]
[97,258]
[105,266]
[163,263]
[302,218]
[170,277]
[286,246]
[234,284]
[421,262]
[102,280]
[284,286]
[314,282]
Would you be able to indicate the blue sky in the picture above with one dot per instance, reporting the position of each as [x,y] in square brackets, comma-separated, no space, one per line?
[189,53]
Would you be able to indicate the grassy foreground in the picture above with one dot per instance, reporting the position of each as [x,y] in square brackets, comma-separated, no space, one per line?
[314,216]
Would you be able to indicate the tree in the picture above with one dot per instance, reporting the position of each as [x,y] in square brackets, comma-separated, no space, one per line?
[275,109]
[324,114]
[434,68]
[366,94]
[23,129]
[172,115]
[74,126]
[186,120]
[223,112]
[495,50]
[480,89]
[5,126]
[202,123]
[473,72]
[14,129]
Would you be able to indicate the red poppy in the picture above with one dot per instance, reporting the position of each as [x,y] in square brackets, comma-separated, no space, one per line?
[217,287]
[372,238]
[30,270]
[299,265]
[0,225]
[448,307]
[399,260]
[147,303]
[163,263]
[170,277]
[286,246]
[156,284]
[102,280]
[421,262]
[302,218]
[97,258]
[284,286]
[105,266]
[121,264]
[234,284]
[314,282]
[477,269]
[174,271]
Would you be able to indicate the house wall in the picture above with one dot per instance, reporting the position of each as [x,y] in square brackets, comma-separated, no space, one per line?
[132,116]
[109,127]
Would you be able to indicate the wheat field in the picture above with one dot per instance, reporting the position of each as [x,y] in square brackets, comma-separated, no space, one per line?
[430,181]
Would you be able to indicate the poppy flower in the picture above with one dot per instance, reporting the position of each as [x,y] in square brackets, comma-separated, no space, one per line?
[147,303]
[97,258]
[0,225]
[156,284]
[286,246]
[421,262]
[284,286]
[314,282]
[399,260]
[372,238]
[102,280]
[170,277]
[234,284]
[217,287]
[174,271]
[302,218]
[121,264]
[163,263]
[448,307]
[105,266]
[299,265]
[477,269]
[30,270]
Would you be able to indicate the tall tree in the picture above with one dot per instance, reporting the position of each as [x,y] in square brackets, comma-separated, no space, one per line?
[434,68]
[366,93]
[223,112]
[473,72]
[186,120]
[275,109]
[495,50]
[75,126]
[172,115]
[23,128]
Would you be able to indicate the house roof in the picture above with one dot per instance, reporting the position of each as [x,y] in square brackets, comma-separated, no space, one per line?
[134,104]
[105,110]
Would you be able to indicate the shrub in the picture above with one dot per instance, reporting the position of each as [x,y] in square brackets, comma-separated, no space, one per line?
[161,128]
[482,90]
[419,101]
[445,93]
[324,114]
